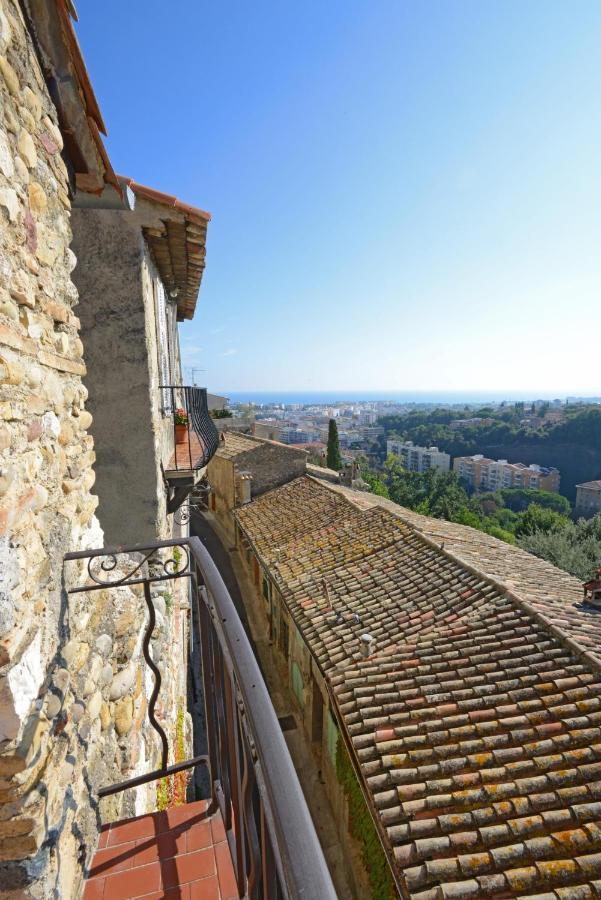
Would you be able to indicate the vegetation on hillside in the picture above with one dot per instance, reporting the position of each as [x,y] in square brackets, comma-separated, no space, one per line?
[572,445]
[538,521]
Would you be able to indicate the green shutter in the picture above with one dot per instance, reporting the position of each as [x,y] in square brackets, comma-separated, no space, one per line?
[297,684]
[332,738]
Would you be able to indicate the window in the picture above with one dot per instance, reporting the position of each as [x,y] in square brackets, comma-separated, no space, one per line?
[284,636]
[332,738]
[298,685]
[163,343]
[266,588]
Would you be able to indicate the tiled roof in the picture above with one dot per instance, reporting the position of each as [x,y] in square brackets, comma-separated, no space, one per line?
[233,444]
[591,485]
[552,593]
[476,722]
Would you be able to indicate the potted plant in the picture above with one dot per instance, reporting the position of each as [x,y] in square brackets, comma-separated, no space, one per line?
[181,426]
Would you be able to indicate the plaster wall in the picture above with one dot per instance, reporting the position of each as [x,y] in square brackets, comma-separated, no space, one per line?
[115,279]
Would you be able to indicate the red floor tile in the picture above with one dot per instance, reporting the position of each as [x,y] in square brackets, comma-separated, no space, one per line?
[133,883]
[225,871]
[171,855]
[205,889]
[180,814]
[147,851]
[172,843]
[94,889]
[178,893]
[113,859]
[217,829]
[189,867]
[199,836]
[132,830]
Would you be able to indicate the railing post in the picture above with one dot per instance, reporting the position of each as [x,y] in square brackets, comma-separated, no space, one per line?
[272,840]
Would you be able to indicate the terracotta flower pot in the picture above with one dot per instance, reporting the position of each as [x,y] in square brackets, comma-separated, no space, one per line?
[181,434]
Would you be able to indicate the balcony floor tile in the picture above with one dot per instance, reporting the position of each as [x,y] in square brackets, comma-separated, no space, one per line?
[187,456]
[178,854]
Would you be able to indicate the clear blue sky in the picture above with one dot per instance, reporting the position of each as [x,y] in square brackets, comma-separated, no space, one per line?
[405,195]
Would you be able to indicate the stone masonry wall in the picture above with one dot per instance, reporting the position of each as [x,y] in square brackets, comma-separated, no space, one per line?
[72,695]
[271,465]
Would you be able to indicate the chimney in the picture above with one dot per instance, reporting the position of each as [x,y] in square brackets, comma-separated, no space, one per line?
[592,590]
[367,644]
[243,488]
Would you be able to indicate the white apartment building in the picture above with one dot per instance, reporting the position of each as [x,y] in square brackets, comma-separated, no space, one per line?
[484,474]
[419,459]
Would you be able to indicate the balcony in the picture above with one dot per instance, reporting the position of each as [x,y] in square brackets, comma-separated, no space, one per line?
[252,836]
[195,439]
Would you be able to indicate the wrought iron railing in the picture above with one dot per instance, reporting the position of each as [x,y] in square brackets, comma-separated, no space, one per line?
[200,438]
[274,846]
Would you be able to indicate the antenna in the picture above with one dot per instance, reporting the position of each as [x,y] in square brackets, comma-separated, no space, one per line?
[193,370]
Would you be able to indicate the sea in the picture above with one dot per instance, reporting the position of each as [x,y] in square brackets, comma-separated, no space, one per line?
[333,398]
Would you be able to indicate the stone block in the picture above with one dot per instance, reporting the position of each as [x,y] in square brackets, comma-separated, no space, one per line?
[27,149]
[18,847]
[22,290]
[33,103]
[38,202]
[9,310]
[5,31]
[57,311]
[123,681]
[6,158]
[56,135]
[10,202]
[105,716]
[19,688]
[124,711]
[10,76]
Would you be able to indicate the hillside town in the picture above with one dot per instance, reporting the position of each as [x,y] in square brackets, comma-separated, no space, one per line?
[229,669]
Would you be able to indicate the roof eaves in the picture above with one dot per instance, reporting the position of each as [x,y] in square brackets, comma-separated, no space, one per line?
[178,247]
[169,200]
[50,23]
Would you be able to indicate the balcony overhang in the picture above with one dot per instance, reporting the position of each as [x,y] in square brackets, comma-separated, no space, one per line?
[195,440]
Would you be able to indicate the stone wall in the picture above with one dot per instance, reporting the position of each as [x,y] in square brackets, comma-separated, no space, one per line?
[221,476]
[72,697]
[271,465]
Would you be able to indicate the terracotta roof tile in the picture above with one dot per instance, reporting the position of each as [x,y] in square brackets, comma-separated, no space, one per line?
[476,722]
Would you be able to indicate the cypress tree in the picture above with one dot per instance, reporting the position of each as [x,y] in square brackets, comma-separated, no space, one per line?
[333,458]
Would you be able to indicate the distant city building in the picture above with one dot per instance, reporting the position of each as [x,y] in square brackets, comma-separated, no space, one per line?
[268,429]
[484,474]
[294,435]
[419,459]
[588,499]
[457,424]
[215,401]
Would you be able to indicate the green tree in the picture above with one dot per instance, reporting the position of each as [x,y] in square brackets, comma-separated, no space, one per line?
[333,456]
[519,499]
[537,519]
[576,548]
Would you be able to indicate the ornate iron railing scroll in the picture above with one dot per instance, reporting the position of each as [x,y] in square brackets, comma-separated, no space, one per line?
[272,840]
[130,567]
